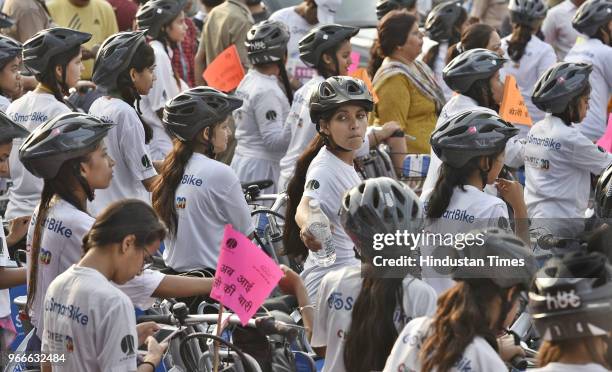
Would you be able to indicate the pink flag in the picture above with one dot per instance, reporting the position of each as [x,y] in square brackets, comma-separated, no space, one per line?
[606,141]
[355,58]
[245,275]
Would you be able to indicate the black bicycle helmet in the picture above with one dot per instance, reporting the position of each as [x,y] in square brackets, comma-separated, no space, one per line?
[157,13]
[195,109]
[468,67]
[336,91]
[46,44]
[9,49]
[323,38]
[66,137]
[6,21]
[10,130]
[527,12]
[379,205]
[503,246]
[115,56]
[267,42]
[441,20]
[385,6]
[470,134]
[603,194]
[572,297]
[559,85]
[592,15]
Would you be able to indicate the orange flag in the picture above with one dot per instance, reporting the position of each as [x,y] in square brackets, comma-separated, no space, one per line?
[362,74]
[513,107]
[226,71]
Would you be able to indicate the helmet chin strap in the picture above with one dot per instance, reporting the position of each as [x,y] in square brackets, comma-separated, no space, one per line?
[84,184]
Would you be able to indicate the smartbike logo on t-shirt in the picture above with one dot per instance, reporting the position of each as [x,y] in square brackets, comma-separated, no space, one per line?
[191,180]
[57,226]
[458,215]
[547,142]
[40,117]
[69,311]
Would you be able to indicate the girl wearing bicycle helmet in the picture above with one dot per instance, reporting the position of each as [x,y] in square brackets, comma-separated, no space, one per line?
[570,305]
[443,27]
[124,71]
[54,56]
[594,19]
[385,6]
[10,77]
[474,75]
[165,24]
[471,146]
[103,336]
[339,107]
[559,159]
[196,196]
[528,56]
[353,309]
[470,315]
[328,50]
[260,141]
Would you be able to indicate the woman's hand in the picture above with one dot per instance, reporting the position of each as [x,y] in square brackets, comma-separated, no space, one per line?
[310,241]
[155,350]
[18,227]
[146,329]
[291,282]
[512,192]
[508,349]
[389,128]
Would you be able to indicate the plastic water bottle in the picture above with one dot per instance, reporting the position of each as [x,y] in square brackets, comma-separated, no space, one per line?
[318,225]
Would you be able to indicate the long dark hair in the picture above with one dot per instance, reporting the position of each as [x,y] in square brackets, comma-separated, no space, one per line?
[482,93]
[553,351]
[430,57]
[521,34]
[163,38]
[450,178]
[123,218]
[143,58]
[58,88]
[475,36]
[393,31]
[571,113]
[64,186]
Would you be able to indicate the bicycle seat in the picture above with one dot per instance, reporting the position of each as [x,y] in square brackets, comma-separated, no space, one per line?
[261,184]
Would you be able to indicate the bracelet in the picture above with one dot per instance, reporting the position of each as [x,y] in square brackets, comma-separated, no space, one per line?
[149,363]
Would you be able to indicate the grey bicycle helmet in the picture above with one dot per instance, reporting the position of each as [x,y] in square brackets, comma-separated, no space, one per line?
[6,21]
[441,20]
[114,56]
[470,134]
[157,13]
[195,109]
[267,42]
[603,194]
[572,297]
[559,85]
[10,130]
[468,67]
[66,137]
[46,44]
[9,49]
[592,15]
[323,38]
[503,246]
[385,6]
[337,91]
[527,12]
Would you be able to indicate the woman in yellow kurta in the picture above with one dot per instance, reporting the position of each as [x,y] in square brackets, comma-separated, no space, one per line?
[406,89]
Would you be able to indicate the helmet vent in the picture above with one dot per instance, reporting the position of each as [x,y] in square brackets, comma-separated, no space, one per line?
[376,198]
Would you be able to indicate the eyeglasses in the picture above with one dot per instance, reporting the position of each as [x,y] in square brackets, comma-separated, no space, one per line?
[147,260]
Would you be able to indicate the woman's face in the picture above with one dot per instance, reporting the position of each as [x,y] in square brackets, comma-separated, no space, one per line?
[583,107]
[132,261]
[10,78]
[221,135]
[496,167]
[414,43]
[347,127]
[143,81]
[494,44]
[73,71]
[343,56]
[497,88]
[177,30]
[5,151]
[98,171]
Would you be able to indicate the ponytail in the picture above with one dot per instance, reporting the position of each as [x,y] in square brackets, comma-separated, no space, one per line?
[164,189]
[286,83]
[59,89]
[571,113]
[518,42]
[294,247]
[475,36]
[482,93]
[376,58]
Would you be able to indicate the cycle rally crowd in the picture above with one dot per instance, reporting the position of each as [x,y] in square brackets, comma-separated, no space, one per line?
[418,226]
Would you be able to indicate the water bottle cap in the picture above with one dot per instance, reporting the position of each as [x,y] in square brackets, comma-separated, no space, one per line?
[313,203]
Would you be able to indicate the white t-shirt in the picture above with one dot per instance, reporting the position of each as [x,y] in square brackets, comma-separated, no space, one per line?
[126,145]
[477,356]
[5,299]
[61,247]
[594,52]
[538,57]
[468,210]
[164,88]
[31,110]
[91,322]
[4,103]
[557,28]
[564,367]
[208,198]
[327,179]
[338,293]
[559,161]
[298,28]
